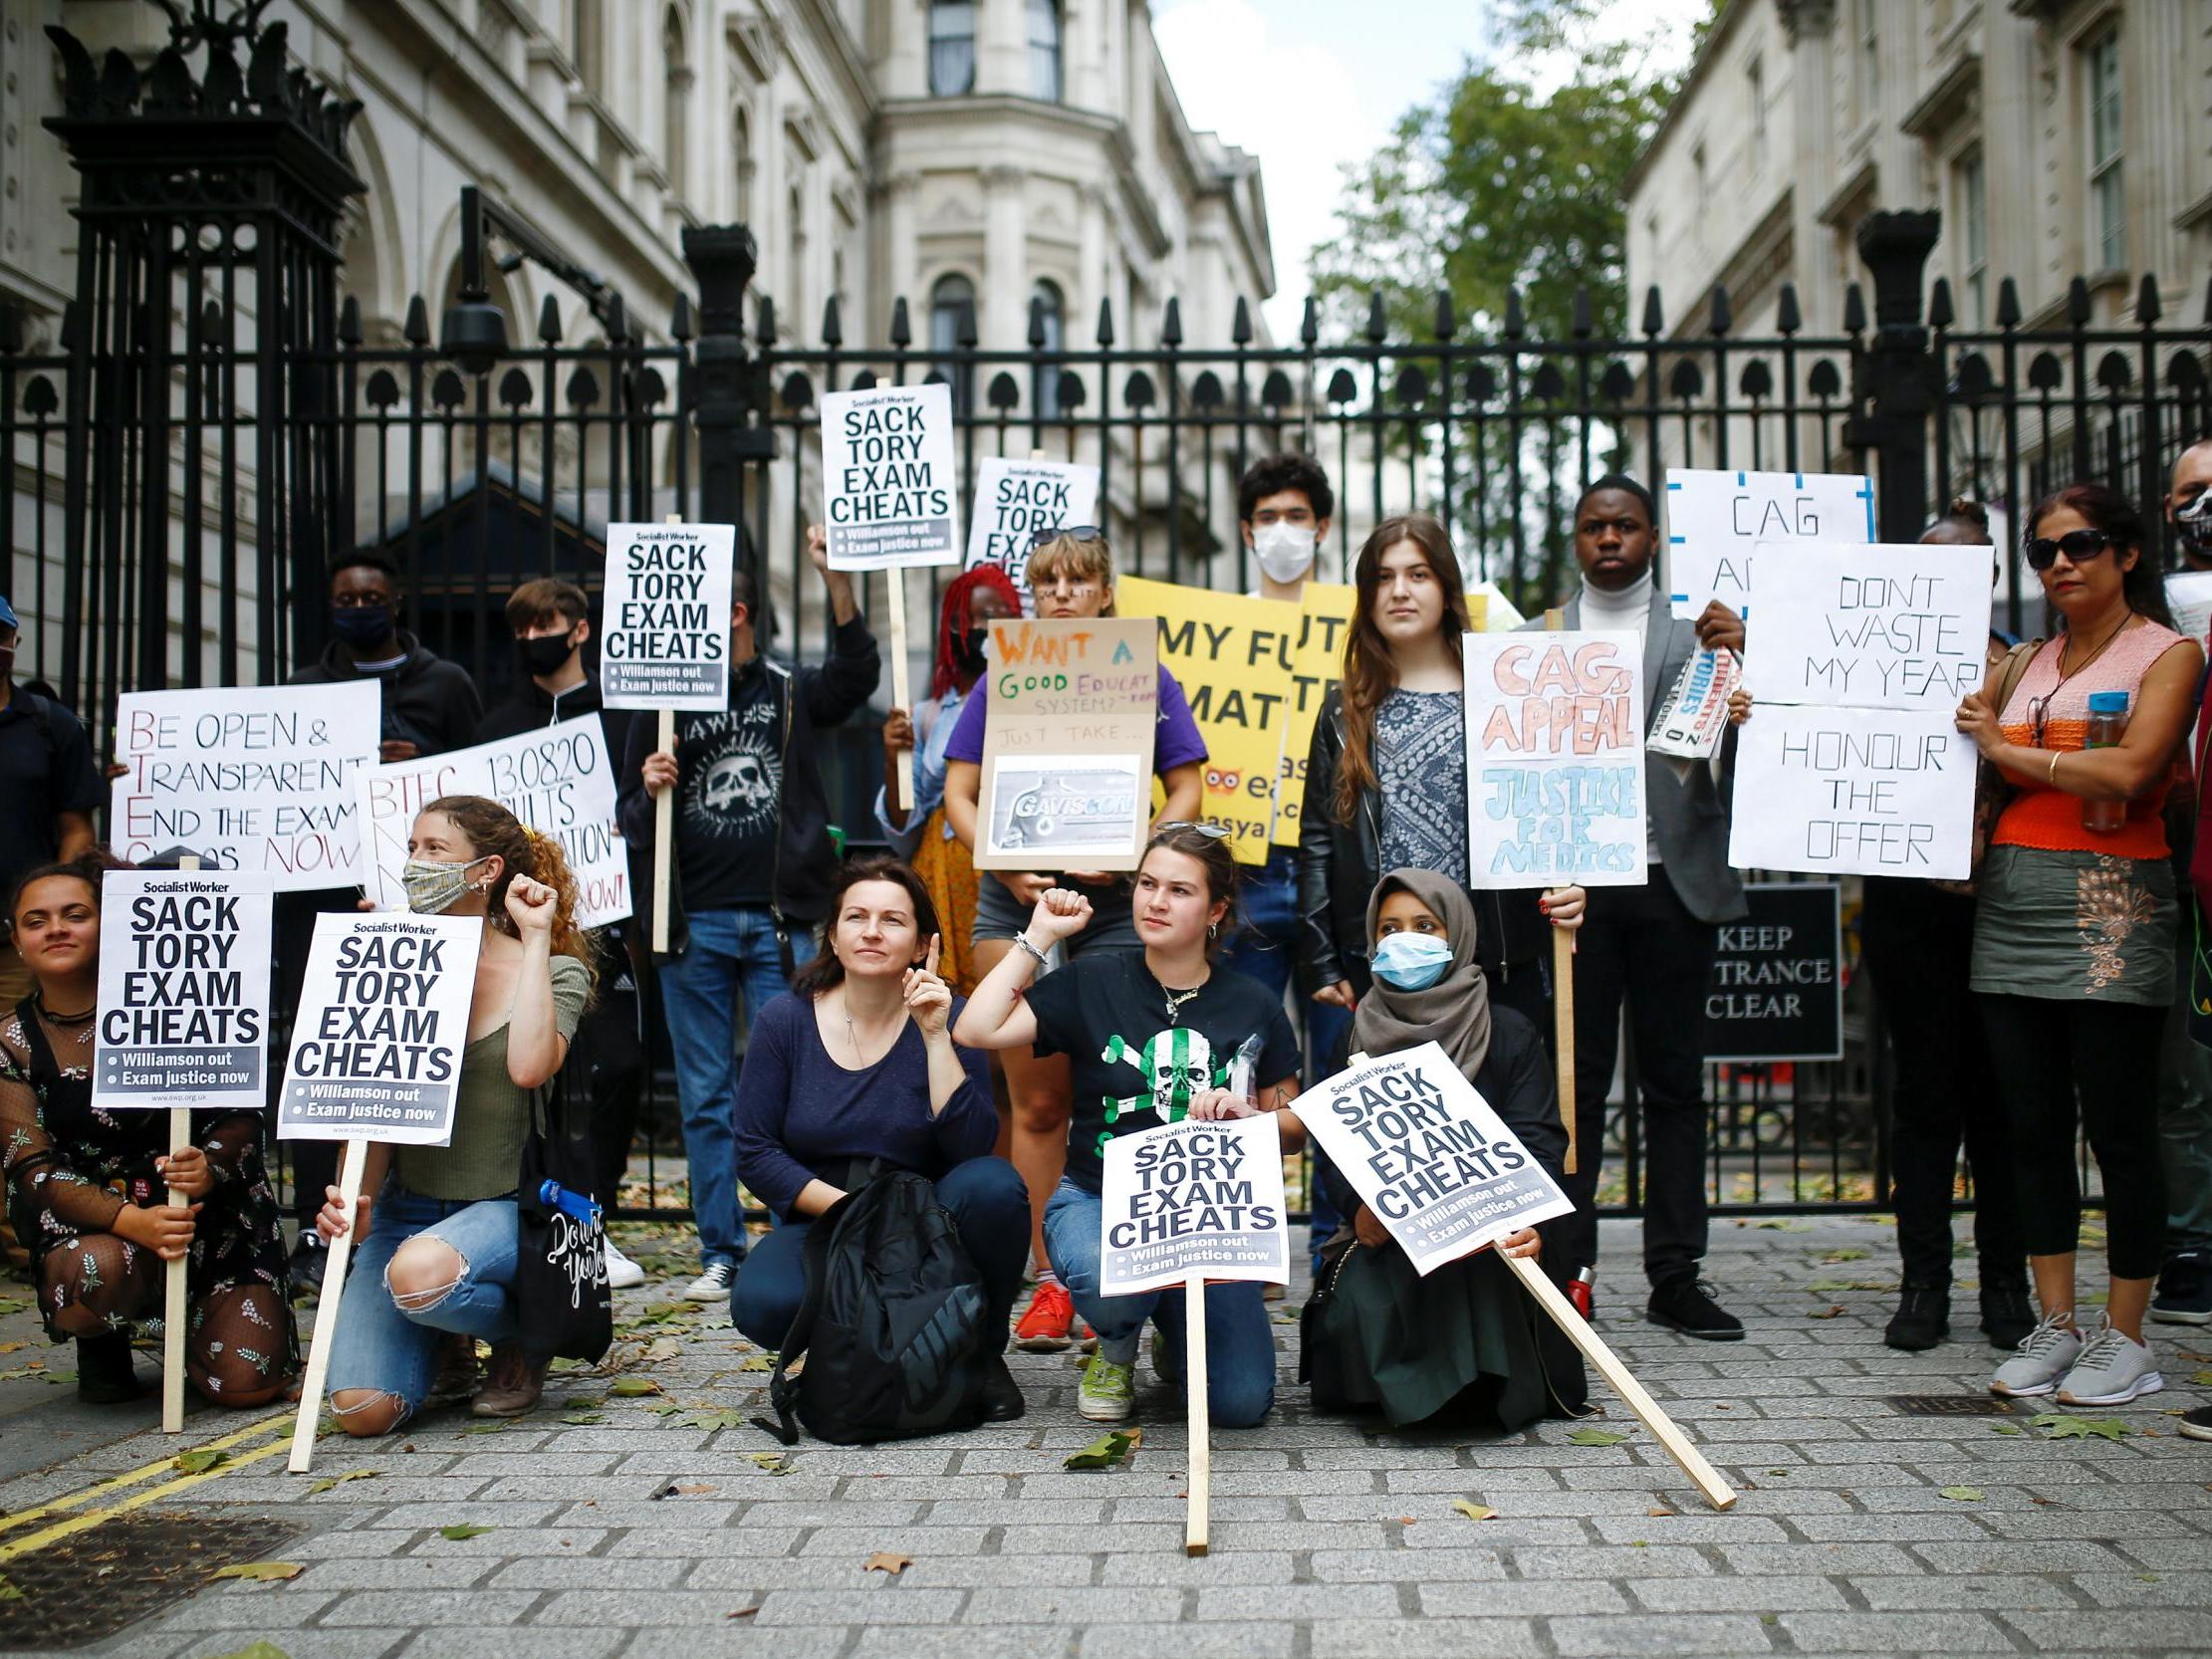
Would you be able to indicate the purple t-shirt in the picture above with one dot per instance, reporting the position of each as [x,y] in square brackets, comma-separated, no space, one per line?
[1175,743]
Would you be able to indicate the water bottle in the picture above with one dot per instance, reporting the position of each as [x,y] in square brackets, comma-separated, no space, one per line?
[2107,723]
[577,1206]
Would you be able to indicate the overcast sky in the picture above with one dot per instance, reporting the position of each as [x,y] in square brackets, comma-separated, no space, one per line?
[1308,85]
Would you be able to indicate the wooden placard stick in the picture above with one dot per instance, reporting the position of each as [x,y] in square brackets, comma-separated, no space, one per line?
[1197,1523]
[1716,1491]
[1562,1003]
[325,1309]
[902,688]
[177,1306]
[664,824]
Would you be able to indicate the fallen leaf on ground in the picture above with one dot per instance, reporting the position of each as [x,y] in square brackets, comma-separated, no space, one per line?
[742,1613]
[2004,1428]
[694,1489]
[2063,1426]
[498,1425]
[8,1592]
[11,1347]
[665,1348]
[9,1304]
[1787,1226]
[1474,1510]
[631,1388]
[713,1417]
[1594,1437]
[259,1650]
[329,1483]
[667,1408]
[262,1572]
[889,1561]
[1660,1515]
[1846,1256]
[1781,1471]
[757,1362]
[198,1463]
[464,1531]
[2203,1379]
[772,1463]
[583,1419]
[1108,1451]
[1834,1313]
[1961,1494]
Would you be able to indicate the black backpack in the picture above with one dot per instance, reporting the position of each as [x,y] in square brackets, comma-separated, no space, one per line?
[891,1328]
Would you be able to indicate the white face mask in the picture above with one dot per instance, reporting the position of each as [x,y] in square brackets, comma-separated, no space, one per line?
[1285,551]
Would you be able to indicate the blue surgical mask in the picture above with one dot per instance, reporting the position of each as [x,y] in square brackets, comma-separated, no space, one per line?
[1412,961]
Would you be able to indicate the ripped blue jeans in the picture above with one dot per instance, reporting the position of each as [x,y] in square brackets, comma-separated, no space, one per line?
[393,1349]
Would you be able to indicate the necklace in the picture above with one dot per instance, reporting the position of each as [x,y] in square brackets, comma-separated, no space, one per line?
[852,1032]
[2066,673]
[1176,999]
[65,1021]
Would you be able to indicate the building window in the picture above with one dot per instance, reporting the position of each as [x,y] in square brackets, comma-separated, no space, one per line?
[2107,189]
[675,108]
[1703,177]
[1755,77]
[1050,311]
[1870,58]
[586,41]
[1043,50]
[741,142]
[951,48]
[951,304]
[1972,210]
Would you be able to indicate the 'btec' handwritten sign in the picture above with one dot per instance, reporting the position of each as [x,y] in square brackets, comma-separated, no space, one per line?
[666,643]
[1716,520]
[1894,627]
[183,991]
[891,485]
[1555,759]
[1194,1198]
[1428,1156]
[1016,499]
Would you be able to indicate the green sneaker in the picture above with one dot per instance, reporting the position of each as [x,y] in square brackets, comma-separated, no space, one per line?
[1109,1390]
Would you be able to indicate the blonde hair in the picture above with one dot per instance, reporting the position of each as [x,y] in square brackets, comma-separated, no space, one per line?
[1089,559]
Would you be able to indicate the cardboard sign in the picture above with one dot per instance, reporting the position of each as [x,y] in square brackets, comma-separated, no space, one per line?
[382,1023]
[1716,520]
[2189,596]
[1016,499]
[1896,628]
[1694,719]
[1854,792]
[560,781]
[1428,1156]
[1194,1198]
[256,778]
[183,991]
[1555,759]
[1068,750]
[1233,657]
[1777,990]
[665,642]
[888,473]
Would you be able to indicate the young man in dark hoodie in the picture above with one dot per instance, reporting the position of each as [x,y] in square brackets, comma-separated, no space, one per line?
[551,621]
[753,867]
[429,706]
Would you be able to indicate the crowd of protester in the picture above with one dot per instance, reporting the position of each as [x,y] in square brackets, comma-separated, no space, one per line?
[833,1018]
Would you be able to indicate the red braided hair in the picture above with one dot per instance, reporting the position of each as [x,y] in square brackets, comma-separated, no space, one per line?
[952,617]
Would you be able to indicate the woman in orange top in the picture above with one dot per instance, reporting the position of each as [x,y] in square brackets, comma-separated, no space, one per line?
[2074,938]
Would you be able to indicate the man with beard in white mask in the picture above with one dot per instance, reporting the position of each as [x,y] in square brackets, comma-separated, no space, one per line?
[1284,508]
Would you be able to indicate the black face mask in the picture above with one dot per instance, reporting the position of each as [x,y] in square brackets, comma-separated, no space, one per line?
[544,655]
[967,651]
[361,626]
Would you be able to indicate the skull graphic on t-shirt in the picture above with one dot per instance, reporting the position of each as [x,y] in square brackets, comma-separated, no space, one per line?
[1175,1065]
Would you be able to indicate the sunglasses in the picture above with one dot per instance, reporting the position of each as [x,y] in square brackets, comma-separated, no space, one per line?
[2077,544]
[1212,832]
[1075,532]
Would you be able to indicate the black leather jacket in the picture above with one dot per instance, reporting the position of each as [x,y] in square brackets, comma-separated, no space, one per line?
[1339,863]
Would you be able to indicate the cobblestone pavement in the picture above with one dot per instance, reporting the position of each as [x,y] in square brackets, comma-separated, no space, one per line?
[619,1526]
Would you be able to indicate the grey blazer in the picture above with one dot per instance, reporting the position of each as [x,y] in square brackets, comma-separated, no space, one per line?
[1690,817]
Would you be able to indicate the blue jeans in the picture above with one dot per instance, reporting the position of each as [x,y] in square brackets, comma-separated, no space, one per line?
[730,953]
[1240,1340]
[989,1206]
[390,1349]
[1264,949]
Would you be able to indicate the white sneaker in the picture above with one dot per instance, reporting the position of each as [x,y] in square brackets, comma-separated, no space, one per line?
[622,1273]
[2113,1368]
[712,1284]
[2045,1355]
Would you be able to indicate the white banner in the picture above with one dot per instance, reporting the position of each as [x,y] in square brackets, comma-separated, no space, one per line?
[1555,759]
[560,781]
[1427,1155]
[1016,499]
[1887,627]
[183,991]
[889,477]
[1715,519]
[2189,596]
[258,778]
[1854,792]
[382,1023]
[1191,1197]
[665,642]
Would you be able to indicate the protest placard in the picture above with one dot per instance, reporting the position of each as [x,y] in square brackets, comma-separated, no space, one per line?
[1777,990]
[1233,657]
[2189,596]
[1882,626]
[256,778]
[666,639]
[890,479]
[183,991]
[1194,1198]
[1068,749]
[1427,1155]
[559,779]
[1716,520]
[382,1020]
[1854,792]
[1691,722]
[1016,499]
[1555,759]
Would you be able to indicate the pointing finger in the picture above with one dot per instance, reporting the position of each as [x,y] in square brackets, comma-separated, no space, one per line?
[935,944]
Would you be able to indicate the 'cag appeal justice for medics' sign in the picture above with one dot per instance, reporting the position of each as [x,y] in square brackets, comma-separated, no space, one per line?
[666,639]
[254,779]
[183,991]
[1428,1156]
[890,483]
[382,1022]
[1194,1198]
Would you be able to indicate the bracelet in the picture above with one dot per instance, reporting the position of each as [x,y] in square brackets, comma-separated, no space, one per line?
[2051,776]
[1022,939]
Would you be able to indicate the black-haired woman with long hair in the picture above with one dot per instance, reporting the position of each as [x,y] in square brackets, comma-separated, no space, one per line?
[854,1066]
[2074,934]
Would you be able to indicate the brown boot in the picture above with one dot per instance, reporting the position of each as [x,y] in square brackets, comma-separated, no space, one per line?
[456,1379]
[514,1386]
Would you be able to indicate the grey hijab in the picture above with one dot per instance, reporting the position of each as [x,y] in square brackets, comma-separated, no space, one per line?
[1455,1011]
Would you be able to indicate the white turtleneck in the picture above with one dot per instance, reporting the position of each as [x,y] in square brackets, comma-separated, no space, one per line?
[1617,611]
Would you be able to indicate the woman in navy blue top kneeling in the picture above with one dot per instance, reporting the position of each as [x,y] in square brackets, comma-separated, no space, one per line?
[856,1065]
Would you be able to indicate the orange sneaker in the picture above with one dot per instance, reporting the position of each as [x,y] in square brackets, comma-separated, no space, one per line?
[1046,1325]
